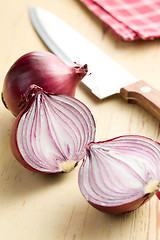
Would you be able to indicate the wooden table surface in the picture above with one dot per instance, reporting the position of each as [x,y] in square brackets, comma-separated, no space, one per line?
[51,207]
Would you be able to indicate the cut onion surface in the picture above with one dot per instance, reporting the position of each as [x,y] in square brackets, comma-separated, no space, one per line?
[121,174]
[51,133]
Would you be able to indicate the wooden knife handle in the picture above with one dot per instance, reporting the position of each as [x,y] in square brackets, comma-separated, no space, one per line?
[144,95]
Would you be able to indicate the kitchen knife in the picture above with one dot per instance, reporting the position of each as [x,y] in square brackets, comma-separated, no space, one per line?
[107,77]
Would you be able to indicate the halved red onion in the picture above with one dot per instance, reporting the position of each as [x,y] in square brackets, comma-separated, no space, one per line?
[51,133]
[119,175]
[43,69]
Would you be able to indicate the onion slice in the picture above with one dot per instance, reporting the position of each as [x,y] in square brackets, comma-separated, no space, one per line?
[51,133]
[119,175]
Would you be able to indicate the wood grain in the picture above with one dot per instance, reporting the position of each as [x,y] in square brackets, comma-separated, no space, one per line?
[144,95]
[40,207]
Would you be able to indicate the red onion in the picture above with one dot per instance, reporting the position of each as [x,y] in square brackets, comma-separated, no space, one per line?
[43,69]
[121,174]
[51,133]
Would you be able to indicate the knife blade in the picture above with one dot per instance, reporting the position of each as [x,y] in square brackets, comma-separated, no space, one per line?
[107,76]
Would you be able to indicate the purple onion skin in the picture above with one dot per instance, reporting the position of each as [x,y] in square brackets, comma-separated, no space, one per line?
[43,69]
[125,208]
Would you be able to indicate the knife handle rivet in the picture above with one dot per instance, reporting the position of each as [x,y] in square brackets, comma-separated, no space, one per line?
[145,89]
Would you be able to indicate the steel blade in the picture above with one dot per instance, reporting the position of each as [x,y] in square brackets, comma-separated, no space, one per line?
[107,76]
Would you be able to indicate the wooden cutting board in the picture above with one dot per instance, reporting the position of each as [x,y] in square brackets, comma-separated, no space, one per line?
[51,207]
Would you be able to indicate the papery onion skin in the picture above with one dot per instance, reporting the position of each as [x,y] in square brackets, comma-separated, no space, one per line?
[88,136]
[91,189]
[43,69]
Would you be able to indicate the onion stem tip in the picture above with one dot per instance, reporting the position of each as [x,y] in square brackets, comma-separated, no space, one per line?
[152,186]
[67,166]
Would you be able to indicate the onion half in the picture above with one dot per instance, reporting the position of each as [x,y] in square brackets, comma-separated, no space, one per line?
[43,69]
[121,174]
[51,133]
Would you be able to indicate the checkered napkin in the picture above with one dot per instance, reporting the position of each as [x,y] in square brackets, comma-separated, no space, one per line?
[128,19]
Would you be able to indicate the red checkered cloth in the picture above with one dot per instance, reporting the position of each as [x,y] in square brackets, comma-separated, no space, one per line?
[128,19]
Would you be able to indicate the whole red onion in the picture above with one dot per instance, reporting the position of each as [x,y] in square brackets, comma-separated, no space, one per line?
[43,69]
